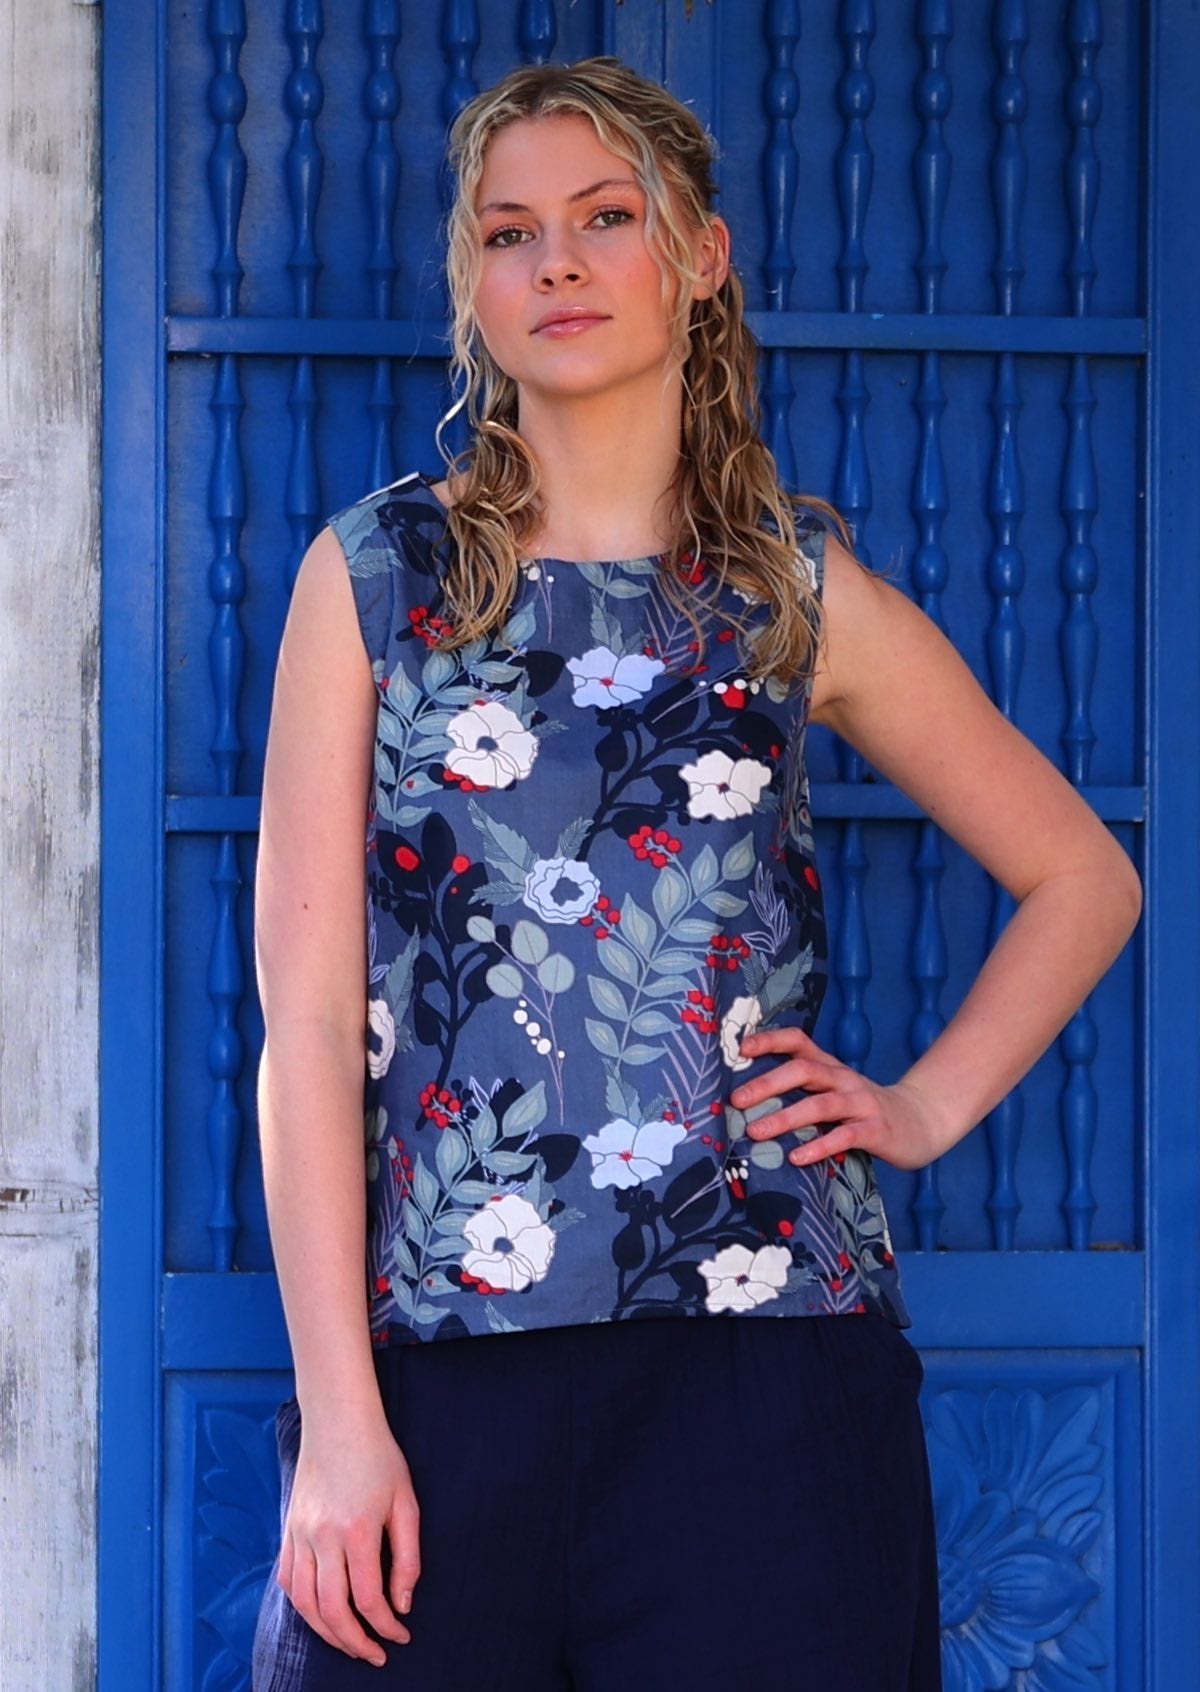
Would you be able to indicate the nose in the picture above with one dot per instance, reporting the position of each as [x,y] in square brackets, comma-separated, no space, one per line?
[558,260]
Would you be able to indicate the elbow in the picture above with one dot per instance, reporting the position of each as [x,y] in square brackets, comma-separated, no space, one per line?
[1123,889]
[1132,887]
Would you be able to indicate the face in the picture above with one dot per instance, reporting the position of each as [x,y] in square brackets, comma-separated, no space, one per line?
[563,227]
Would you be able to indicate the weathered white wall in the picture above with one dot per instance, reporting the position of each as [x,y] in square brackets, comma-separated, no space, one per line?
[49,557]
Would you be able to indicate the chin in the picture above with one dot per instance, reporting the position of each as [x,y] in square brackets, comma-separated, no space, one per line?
[583,379]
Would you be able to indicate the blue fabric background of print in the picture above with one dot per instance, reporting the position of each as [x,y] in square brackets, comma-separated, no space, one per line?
[590,870]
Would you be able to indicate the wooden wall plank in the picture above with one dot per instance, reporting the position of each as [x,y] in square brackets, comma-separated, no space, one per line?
[49,840]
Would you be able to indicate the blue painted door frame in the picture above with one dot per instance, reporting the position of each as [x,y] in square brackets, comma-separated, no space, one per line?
[969,245]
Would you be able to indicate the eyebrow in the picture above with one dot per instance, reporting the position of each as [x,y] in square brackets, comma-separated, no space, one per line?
[580,194]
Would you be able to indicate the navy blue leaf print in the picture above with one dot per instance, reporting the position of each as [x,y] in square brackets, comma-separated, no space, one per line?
[590,870]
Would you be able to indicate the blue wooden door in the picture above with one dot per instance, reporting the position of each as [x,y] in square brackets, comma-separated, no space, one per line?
[969,246]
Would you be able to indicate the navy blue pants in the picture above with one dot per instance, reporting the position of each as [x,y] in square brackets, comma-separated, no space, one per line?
[687,1504]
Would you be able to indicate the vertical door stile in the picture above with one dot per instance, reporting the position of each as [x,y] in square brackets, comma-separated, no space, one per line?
[781,99]
[1168,1172]
[853,497]
[133,855]
[381,173]
[1006,506]
[1080,502]
[227,587]
[303,97]
[930,567]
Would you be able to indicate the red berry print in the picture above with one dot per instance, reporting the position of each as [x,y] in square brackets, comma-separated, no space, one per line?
[658,845]
[430,629]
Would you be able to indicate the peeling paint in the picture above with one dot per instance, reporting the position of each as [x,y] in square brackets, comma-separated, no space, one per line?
[49,846]
[45,1209]
[9,1389]
[83,1661]
[89,669]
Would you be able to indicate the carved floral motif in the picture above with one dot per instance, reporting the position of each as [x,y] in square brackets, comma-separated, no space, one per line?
[238,1511]
[1018,1483]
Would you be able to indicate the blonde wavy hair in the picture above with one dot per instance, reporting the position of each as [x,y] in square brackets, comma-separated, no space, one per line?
[726,479]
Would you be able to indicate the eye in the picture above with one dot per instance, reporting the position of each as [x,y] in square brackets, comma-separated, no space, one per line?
[615,211]
[494,240]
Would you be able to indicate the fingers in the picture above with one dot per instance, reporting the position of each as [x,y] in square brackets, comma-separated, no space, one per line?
[303,1592]
[333,1605]
[781,1040]
[808,1112]
[366,1585]
[286,1561]
[837,1140]
[803,1070]
[316,1583]
[404,1537]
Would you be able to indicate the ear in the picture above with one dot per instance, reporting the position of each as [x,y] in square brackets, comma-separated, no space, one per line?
[712,258]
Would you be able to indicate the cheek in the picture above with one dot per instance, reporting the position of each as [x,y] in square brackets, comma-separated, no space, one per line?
[644,283]
[495,309]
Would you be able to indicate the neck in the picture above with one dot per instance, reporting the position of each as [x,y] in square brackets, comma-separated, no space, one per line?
[605,463]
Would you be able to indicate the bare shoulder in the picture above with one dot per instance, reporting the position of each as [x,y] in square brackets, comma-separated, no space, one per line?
[861,612]
[322,586]
[309,904]
[321,641]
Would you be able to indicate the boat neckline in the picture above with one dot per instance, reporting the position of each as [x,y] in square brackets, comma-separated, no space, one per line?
[427,481]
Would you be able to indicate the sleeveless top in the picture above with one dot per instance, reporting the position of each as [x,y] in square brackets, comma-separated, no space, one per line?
[590,870]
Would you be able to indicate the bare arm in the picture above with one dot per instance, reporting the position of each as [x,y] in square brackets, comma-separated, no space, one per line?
[310,945]
[310,949]
[896,689]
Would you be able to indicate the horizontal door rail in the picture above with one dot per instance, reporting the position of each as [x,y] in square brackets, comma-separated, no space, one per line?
[1033,1299]
[874,331]
[833,801]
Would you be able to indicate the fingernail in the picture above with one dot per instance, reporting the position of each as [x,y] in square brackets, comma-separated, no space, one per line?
[405,1603]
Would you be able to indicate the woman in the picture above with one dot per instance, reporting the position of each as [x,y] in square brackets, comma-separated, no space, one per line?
[568,685]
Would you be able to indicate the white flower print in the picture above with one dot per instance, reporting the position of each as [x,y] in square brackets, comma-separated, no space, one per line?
[601,678]
[742,1017]
[561,889]
[739,1279]
[624,1156]
[511,1245]
[492,746]
[383,1029]
[724,787]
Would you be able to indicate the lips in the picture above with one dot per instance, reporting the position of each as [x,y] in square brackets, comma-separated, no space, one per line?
[565,322]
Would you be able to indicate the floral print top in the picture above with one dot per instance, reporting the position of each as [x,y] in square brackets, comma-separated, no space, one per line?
[590,870]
